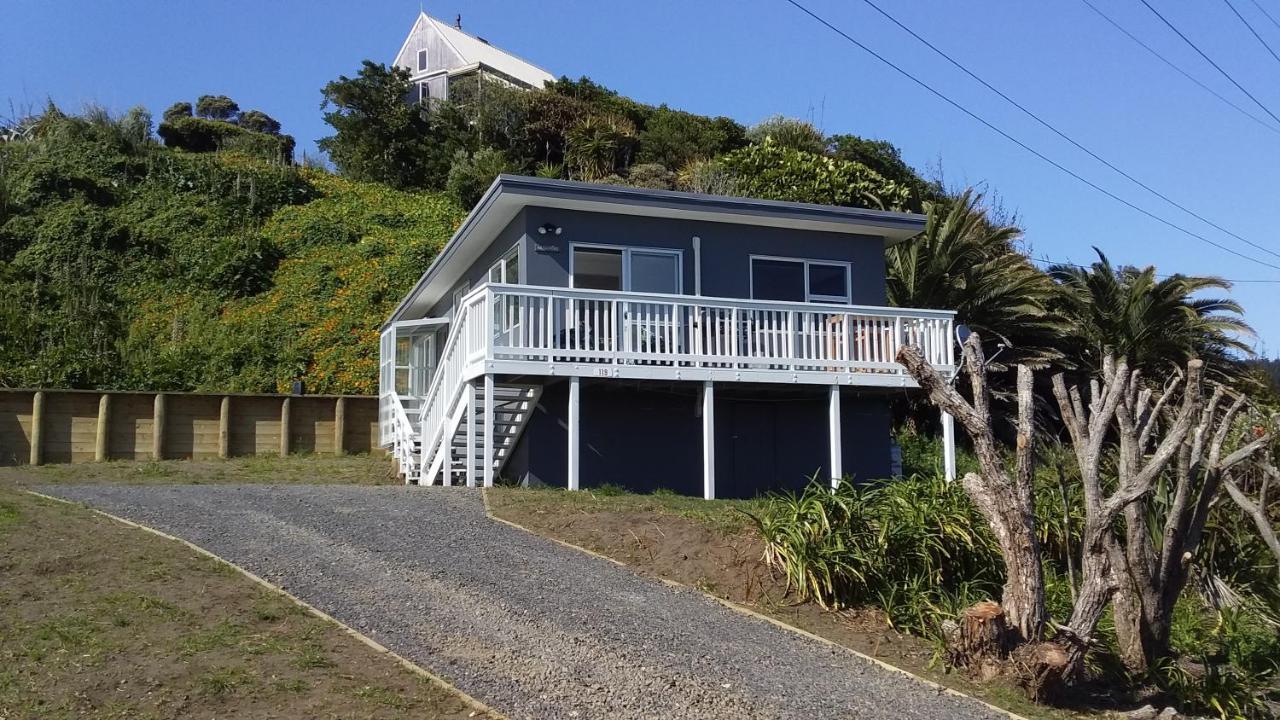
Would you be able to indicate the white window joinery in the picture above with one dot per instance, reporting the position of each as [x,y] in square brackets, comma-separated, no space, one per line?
[801,280]
[422,60]
[507,269]
[610,267]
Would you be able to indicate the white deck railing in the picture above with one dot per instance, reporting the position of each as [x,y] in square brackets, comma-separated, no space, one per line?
[606,328]
[464,349]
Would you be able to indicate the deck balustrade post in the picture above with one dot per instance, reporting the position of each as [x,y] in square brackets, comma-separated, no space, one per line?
[708,441]
[836,444]
[575,396]
[37,428]
[103,429]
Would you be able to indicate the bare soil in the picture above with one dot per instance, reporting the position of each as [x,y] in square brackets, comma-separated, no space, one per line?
[101,620]
[712,546]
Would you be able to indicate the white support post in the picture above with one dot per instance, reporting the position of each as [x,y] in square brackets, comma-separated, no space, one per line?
[471,433]
[949,446]
[708,441]
[575,396]
[488,430]
[833,423]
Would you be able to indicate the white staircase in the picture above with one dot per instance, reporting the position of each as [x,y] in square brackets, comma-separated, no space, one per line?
[513,405]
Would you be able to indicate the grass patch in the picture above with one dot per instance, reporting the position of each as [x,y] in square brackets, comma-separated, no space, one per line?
[723,516]
[224,681]
[368,469]
[100,620]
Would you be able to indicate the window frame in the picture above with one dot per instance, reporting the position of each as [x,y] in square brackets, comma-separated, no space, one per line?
[501,266]
[423,60]
[626,251]
[809,297]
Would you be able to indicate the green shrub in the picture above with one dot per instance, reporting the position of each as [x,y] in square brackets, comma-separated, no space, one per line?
[915,547]
[774,172]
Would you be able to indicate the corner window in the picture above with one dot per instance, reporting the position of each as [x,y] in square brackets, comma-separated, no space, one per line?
[422,60]
[789,280]
[507,269]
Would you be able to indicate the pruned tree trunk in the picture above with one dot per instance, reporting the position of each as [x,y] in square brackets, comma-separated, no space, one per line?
[1005,501]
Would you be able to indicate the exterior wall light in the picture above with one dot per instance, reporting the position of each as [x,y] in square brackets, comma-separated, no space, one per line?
[549,228]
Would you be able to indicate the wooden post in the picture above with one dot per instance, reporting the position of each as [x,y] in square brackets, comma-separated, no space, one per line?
[833,423]
[284,427]
[224,428]
[708,441]
[104,426]
[488,429]
[157,428]
[340,426]
[471,433]
[575,395]
[949,446]
[37,428]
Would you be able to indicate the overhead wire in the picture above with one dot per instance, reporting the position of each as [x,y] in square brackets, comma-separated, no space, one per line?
[942,96]
[1046,124]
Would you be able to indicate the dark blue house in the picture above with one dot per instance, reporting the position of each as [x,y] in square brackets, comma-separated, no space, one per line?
[579,334]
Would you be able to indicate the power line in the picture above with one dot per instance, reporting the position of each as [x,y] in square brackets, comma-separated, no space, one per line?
[1209,60]
[1180,71]
[1051,261]
[1255,32]
[1264,12]
[1023,145]
[1064,136]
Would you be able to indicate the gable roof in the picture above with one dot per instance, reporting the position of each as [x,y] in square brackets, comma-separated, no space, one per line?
[472,50]
[509,194]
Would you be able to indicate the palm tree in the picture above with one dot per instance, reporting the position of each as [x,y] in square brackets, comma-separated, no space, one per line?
[1157,323]
[964,261]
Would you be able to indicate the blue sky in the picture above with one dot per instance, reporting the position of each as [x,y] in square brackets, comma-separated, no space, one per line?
[754,58]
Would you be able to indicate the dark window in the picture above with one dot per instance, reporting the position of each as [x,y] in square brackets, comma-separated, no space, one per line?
[777,280]
[424,92]
[597,269]
[829,282]
[422,60]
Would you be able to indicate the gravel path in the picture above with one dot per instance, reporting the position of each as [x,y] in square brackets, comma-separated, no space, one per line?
[534,629]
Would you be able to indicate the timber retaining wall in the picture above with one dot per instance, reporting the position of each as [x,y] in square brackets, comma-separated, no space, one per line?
[72,426]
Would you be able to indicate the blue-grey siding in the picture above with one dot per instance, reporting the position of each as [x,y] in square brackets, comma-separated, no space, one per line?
[645,437]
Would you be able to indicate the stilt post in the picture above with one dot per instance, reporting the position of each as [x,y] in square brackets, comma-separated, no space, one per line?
[575,396]
[835,441]
[708,441]
[471,433]
[949,446]
[488,430]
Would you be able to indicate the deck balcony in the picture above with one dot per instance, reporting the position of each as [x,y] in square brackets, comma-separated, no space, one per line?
[509,331]
[609,334]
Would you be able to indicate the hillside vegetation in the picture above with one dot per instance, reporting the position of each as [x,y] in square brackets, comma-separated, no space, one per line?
[126,264]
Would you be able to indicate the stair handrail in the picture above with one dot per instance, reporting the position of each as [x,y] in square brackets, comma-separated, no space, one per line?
[450,376]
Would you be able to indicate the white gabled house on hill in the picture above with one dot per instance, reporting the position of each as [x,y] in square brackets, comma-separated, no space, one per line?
[442,57]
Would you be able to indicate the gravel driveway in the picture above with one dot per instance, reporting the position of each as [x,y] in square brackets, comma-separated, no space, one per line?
[534,629]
